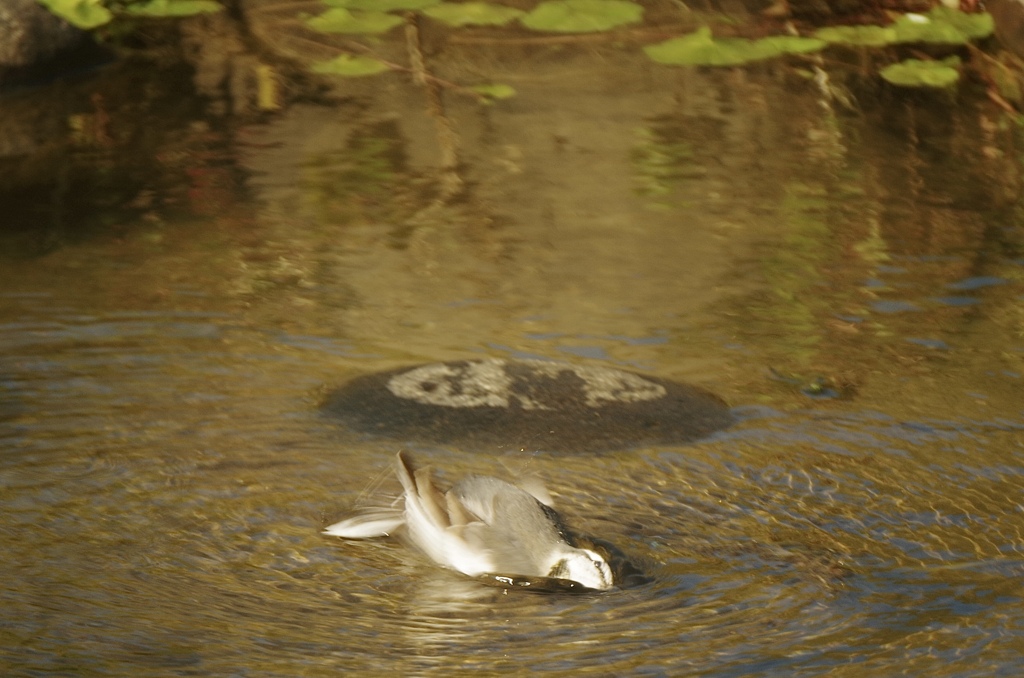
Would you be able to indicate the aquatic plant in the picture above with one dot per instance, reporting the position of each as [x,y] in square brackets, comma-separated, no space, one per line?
[582,16]
[473,13]
[920,73]
[700,48]
[341,20]
[381,5]
[939,26]
[88,14]
[85,14]
[172,8]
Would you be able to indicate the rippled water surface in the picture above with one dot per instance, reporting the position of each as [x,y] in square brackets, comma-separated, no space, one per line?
[852,283]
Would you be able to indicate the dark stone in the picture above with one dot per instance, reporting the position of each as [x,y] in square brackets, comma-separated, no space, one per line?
[492,405]
[36,45]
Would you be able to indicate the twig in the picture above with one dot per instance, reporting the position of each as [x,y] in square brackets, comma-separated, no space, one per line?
[451,183]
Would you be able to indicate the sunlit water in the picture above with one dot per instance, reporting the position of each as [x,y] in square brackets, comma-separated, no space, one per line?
[851,284]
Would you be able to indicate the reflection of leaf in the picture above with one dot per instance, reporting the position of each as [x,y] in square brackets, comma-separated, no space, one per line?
[661,162]
[701,49]
[381,5]
[81,13]
[339,20]
[582,16]
[868,36]
[495,91]
[166,8]
[360,180]
[473,13]
[350,66]
[917,73]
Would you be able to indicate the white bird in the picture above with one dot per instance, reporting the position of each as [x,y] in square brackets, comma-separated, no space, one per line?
[482,525]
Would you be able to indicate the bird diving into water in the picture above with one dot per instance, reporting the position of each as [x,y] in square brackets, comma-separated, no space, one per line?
[481,526]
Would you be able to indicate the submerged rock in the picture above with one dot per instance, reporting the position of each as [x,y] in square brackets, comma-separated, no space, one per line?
[493,404]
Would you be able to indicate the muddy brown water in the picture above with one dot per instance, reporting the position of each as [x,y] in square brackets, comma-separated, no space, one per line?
[852,283]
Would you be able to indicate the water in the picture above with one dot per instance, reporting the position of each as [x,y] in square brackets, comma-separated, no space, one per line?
[851,283]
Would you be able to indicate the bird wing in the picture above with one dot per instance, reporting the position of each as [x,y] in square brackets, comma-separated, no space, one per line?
[439,524]
[535,486]
[378,523]
[420,492]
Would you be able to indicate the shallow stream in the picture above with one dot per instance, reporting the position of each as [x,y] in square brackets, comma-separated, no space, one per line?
[851,282]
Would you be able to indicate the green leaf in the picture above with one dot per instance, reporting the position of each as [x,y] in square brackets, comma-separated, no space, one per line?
[341,20]
[974,26]
[382,5]
[941,25]
[582,16]
[867,36]
[84,14]
[787,44]
[944,26]
[473,13]
[350,66]
[495,91]
[169,8]
[701,49]
[981,26]
[917,73]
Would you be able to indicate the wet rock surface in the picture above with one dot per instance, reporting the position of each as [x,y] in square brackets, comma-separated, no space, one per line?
[534,405]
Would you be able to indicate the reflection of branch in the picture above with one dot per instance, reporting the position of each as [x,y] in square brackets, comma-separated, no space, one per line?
[447,139]
[991,88]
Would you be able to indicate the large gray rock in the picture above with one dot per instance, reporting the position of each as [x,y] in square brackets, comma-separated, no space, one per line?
[492,405]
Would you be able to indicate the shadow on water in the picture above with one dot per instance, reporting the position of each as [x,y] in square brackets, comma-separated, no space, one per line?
[183,280]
